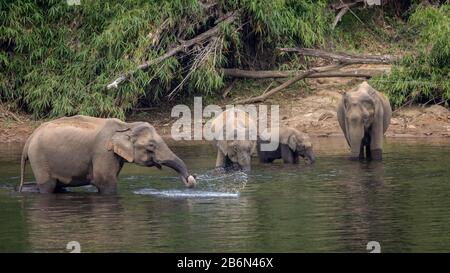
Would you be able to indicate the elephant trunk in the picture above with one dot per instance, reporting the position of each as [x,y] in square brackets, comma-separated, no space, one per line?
[356,137]
[310,156]
[174,162]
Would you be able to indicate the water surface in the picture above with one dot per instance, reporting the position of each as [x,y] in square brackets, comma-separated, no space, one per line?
[336,205]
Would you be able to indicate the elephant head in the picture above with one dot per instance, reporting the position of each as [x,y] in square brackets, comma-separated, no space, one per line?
[301,143]
[359,115]
[140,143]
[238,151]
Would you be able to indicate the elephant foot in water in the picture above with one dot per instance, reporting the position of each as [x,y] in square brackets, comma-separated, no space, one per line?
[376,155]
[33,188]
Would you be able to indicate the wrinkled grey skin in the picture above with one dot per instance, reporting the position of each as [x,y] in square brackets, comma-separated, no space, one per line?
[364,115]
[234,153]
[292,145]
[81,150]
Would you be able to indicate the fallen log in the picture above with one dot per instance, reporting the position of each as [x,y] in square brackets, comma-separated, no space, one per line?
[289,82]
[263,74]
[344,58]
[182,47]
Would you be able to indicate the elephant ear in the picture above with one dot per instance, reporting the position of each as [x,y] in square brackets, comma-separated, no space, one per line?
[345,98]
[122,145]
[292,142]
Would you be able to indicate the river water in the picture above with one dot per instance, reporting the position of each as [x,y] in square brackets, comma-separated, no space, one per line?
[336,205]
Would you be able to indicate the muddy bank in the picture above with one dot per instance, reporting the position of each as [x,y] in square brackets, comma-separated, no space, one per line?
[316,113]
[312,110]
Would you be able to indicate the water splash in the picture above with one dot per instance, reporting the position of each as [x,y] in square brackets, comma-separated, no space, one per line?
[186,193]
[217,183]
[223,181]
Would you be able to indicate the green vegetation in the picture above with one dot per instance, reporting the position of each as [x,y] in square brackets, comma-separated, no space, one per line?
[58,59]
[423,75]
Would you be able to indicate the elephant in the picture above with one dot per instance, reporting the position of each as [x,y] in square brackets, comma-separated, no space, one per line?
[291,144]
[232,151]
[364,115]
[82,150]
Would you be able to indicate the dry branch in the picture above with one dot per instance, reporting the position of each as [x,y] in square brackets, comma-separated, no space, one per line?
[338,18]
[342,57]
[155,36]
[289,82]
[228,89]
[229,17]
[340,4]
[263,74]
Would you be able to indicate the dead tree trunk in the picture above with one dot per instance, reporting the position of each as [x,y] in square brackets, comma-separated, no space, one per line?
[342,57]
[289,82]
[263,74]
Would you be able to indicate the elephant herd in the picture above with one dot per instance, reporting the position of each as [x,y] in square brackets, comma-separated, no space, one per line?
[81,150]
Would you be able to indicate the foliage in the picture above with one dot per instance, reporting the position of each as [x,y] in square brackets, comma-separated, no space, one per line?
[57,59]
[422,76]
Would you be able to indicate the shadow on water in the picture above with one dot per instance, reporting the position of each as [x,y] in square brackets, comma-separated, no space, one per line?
[334,205]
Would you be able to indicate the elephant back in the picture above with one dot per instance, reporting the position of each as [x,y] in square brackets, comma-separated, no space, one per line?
[241,121]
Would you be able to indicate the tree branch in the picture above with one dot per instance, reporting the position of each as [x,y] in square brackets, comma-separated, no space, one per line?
[342,57]
[264,74]
[229,17]
[289,82]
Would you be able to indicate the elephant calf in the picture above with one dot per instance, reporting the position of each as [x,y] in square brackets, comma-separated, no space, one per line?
[292,144]
[364,115]
[81,150]
[232,151]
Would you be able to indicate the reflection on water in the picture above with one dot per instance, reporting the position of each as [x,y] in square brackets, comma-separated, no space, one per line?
[334,205]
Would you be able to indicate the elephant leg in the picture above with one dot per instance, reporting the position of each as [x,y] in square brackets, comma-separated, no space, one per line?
[105,183]
[107,188]
[60,187]
[296,157]
[265,157]
[228,163]
[45,183]
[287,154]
[368,152]
[220,160]
[48,186]
[105,174]
[376,154]
[361,152]
[376,141]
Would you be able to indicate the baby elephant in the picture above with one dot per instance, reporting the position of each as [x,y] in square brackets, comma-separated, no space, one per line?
[292,144]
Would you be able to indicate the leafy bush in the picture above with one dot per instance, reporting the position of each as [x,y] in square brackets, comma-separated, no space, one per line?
[57,59]
[422,76]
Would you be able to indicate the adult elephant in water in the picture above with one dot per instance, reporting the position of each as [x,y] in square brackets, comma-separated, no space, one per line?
[81,150]
[364,115]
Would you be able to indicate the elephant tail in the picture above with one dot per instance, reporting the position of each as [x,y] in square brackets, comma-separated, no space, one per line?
[23,162]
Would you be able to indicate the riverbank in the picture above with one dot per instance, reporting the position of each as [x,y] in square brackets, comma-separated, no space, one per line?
[309,108]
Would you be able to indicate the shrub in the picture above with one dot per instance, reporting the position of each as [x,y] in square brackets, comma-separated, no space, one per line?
[57,59]
[422,76]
